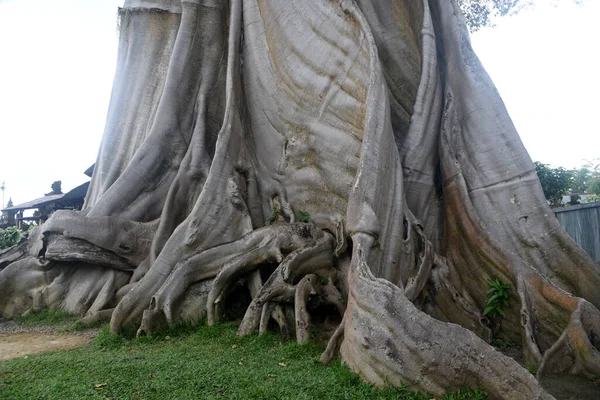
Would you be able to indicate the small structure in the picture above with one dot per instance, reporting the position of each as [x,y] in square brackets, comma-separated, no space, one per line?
[45,206]
[577,198]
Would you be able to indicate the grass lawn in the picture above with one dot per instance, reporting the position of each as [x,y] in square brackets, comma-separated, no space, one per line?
[190,363]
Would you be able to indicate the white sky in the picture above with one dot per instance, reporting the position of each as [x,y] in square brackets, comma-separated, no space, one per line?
[57,61]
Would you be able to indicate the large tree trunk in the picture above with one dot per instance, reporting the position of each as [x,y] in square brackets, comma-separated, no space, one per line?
[231,121]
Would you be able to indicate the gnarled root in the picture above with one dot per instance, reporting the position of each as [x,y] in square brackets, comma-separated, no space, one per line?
[303,242]
[394,342]
[300,248]
[577,351]
[298,277]
[308,286]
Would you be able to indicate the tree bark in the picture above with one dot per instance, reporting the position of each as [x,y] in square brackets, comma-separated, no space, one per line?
[353,152]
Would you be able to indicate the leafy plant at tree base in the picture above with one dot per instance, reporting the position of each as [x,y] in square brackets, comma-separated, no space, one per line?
[303,216]
[275,214]
[9,237]
[502,343]
[499,297]
[532,369]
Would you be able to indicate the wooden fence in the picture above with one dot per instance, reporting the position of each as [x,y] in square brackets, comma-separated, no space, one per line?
[582,223]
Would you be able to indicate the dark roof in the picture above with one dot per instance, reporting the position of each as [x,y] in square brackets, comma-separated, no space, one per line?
[35,203]
[77,193]
[90,170]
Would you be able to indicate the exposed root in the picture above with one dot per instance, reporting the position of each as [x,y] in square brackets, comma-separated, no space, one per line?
[394,342]
[332,296]
[65,249]
[577,351]
[239,260]
[308,286]
[278,239]
[102,315]
[333,346]
[314,259]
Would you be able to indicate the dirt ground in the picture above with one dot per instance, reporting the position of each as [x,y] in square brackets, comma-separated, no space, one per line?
[15,345]
[18,340]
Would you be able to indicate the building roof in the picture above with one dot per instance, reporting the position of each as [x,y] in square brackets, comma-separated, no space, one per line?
[77,193]
[90,170]
[35,203]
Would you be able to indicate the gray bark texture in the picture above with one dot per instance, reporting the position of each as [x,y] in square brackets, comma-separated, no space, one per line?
[230,119]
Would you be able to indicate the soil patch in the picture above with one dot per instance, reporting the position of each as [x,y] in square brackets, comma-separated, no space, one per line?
[18,340]
[20,344]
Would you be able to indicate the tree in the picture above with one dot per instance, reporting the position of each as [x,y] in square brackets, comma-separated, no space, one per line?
[555,182]
[479,13]
[592,167]
[229,119]
[581,180]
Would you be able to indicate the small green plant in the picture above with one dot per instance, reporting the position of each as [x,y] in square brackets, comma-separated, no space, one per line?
[498,297]
[592,199]
[9,237]
[503,344]
[532,369]
[303,216]
[464,394]
[275,214]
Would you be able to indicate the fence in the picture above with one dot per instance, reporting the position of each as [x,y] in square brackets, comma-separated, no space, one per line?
[582,223]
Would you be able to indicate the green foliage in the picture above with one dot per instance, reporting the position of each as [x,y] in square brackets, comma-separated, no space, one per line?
[503,344]
[594,198]
[555,182]
[498,297]
[581,180]
[476,394]
[275,216]
[587,179]
[593,181]
[192,363]
[303,216]
[532,369]
[9,237]
[479,13]
[44,317]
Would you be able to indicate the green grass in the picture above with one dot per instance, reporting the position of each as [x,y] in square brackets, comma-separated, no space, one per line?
[190,363]
[45,317]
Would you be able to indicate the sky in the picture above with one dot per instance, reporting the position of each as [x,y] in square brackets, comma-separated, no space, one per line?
[57,63]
